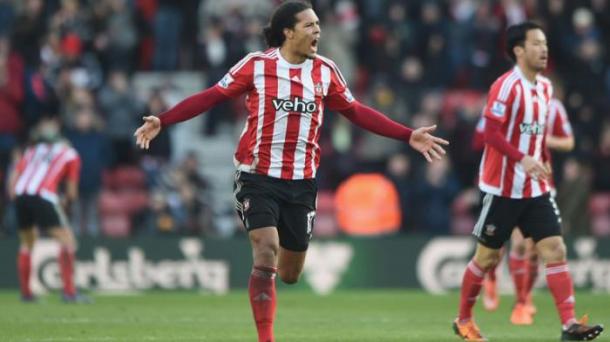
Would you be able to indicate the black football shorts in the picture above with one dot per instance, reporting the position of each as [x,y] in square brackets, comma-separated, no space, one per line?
[288,205]
[536,217]
[34,210]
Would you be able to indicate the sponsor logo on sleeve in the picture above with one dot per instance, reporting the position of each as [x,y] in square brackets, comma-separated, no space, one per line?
[498,109]
[226,81]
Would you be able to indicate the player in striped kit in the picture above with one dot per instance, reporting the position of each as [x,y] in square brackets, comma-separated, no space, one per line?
[33,186]
[523,259]
[514,179]
[288,88]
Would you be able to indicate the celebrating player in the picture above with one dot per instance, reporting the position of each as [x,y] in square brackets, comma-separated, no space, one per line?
[514,179]
[278,154]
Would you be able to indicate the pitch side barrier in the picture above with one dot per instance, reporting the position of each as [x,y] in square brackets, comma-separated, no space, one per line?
[216,266]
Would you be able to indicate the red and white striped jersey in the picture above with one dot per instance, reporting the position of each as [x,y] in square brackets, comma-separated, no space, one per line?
[522,109]
[43,166]
[285,103]
[558,126]
[558,123]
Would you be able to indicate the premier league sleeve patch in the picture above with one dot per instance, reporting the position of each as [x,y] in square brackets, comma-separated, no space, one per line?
[226,81]
[498,109]
[348,95]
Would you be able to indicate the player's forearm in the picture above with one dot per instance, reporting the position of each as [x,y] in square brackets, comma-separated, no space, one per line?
[563,144]
[71,191]
[494,138]
[192,106]
[372,120]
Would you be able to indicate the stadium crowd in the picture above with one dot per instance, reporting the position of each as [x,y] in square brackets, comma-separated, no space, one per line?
[421,62]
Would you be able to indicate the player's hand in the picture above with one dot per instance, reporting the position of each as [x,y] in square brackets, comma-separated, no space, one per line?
[534,168]
[549,168]
[427,144]
[148,131]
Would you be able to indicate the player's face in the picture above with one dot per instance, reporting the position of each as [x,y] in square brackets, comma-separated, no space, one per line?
[305,36]
[535,50]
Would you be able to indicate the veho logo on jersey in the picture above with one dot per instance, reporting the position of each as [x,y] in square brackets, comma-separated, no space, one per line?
[295,104]
[531,128]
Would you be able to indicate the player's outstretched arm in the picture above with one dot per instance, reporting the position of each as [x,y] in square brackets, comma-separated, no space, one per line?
[186,109]
[374,121]
[427,144]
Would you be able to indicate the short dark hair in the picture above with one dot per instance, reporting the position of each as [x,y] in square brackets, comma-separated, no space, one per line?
[283,17]
[516,35]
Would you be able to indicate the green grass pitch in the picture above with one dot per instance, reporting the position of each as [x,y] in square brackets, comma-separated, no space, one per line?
[372,315]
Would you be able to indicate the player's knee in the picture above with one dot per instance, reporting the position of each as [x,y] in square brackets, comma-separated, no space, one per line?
[487,259]
[554,252]
[289,276]
[265,248]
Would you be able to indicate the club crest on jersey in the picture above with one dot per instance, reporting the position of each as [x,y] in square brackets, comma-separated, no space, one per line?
[295,104]
[226,81]
[490,230]
[498,109]
[319,91]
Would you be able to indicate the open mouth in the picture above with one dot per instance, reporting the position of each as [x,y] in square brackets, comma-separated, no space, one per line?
[314,43]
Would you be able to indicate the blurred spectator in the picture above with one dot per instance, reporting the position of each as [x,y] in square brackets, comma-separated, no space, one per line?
[181,203]
[29,30]
[157,218]
[602,161]
[94,149]
[167,27]
[400,173]
[117,36]
[435,192]
[122,113]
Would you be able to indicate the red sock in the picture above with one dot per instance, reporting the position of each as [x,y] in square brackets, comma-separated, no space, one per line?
[66,267]
[262,300]
[532,276]
[518,270]
[471,286]
[559,282]
[24,268]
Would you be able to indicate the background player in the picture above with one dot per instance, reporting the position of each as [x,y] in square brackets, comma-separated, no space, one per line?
[514,179]
[33,186]
[523,259]
[277,156]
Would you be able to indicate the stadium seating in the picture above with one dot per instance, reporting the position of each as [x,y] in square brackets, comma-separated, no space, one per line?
[124,194]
